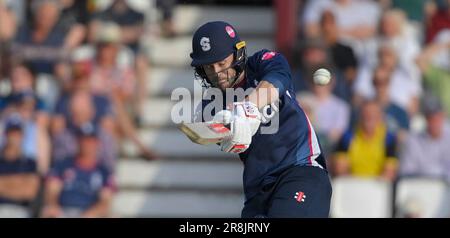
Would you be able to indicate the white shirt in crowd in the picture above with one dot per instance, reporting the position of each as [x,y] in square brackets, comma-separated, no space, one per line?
[356,13]
[332,114]
[425,156]
[403,87]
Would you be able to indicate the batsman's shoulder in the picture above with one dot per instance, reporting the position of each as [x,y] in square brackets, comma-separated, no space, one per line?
[266,55]
[265,59]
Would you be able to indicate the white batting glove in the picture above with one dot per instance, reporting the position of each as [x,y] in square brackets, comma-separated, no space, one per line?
[244,119]
[248,111]
[224,117]
[240,138]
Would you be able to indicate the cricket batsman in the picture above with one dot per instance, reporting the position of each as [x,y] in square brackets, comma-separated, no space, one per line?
[284,172]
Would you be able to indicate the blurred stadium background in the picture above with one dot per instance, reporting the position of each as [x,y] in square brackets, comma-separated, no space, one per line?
[85,104]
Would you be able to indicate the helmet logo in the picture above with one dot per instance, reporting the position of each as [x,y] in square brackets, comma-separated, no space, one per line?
[230,31]
[204,42]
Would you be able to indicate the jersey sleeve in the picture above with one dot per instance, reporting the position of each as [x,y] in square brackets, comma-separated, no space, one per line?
[272,67]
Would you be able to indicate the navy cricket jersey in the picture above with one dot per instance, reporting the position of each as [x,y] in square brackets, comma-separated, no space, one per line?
[295,142]
[81,187]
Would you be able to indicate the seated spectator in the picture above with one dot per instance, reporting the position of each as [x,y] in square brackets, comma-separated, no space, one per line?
[131,27]
[42,44]
[18,7]
[398,33]
[8,22]
[167,24]
[36,142]
[19,179]
[80,106]
[33,110]
[401,78]
[397,119]
[415,9]
[356,18]
[313,55]
[427,153]
[8,28]
[131,23]
[439,20]
[75,72]
[343,56]
[369,149]
[108,75]
[74,17]
[79,186]
[22,81]
[330,115]
[97,107]
[435,64]
[79,109]
[117,82]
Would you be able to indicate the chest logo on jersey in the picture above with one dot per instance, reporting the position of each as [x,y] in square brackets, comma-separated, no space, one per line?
[268,55]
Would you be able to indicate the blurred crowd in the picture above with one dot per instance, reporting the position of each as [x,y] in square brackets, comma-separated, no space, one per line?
[385,113]
[73,76]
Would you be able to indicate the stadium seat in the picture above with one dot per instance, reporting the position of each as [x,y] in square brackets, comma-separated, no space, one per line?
[361,198]
[422,197]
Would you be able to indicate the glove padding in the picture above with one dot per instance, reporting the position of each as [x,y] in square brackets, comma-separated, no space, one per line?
[250,112]
[240,138]
[224,117]
[244,119]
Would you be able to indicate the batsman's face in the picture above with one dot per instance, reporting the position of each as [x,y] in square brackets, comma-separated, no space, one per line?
[221,72]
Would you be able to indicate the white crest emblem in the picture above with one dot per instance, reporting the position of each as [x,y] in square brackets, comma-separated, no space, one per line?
[204,42]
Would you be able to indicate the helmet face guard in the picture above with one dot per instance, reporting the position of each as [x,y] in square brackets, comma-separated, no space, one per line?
[239,63]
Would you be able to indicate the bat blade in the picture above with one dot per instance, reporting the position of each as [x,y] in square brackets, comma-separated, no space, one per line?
[205,133]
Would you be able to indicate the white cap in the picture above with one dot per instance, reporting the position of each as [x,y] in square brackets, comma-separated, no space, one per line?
[108,32]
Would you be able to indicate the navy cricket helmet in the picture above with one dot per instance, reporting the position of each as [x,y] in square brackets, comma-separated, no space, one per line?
[213,42]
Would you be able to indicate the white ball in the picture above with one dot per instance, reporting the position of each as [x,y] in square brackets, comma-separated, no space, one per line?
[322,76]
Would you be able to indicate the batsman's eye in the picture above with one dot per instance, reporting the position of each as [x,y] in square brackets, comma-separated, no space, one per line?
[208,67]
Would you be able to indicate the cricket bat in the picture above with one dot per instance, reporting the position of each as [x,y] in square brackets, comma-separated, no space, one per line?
[205,133]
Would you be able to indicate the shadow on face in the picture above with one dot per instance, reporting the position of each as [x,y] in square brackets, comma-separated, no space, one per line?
[371,116]
[220,73]
[81,107]
[46,14]
[88,146]
[21,79]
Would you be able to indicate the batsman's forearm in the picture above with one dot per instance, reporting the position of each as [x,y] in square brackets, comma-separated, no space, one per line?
[264,94]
